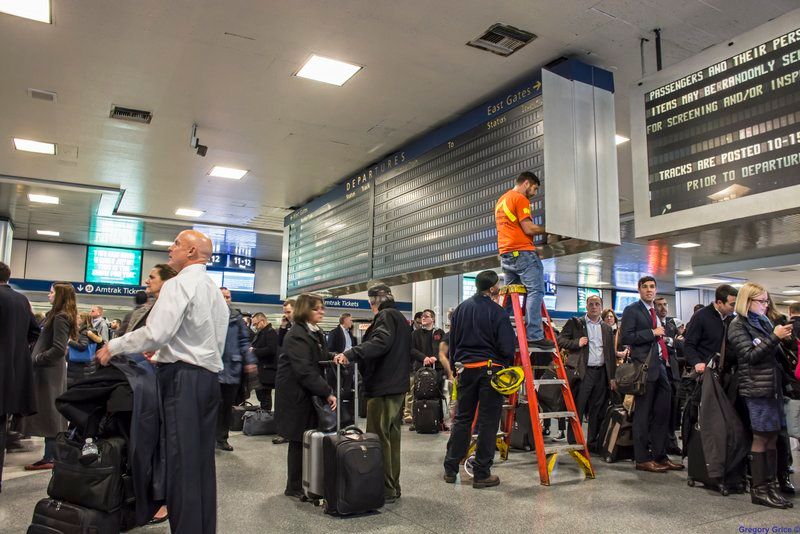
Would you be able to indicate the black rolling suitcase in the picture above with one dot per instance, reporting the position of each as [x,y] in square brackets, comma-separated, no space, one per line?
[696,472]
[617,435]
[57,517]
[427,416]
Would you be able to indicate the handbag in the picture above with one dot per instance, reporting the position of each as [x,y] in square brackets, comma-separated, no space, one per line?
[237,417]
[631,377]
[259,423]
[326,417]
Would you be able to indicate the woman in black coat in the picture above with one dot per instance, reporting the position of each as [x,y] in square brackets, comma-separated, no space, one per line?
[298,379]
[755,341]
[50,370]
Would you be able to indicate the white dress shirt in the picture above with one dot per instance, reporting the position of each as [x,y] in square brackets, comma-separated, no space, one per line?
[648,307]
[348,343]
[188,323]
[595,334]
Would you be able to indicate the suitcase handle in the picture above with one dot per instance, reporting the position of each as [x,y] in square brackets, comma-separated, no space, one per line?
[352,429]
[339,391]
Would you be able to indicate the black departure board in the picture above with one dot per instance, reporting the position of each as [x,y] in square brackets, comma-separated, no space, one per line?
[729,130]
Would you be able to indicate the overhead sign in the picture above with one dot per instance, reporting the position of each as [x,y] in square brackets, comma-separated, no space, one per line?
[116,266]
[583,294]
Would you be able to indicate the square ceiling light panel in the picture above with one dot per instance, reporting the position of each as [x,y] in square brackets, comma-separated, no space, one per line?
[228,172]
[29,145]
[38,10]
[43,199]
[327,70]
[186,212]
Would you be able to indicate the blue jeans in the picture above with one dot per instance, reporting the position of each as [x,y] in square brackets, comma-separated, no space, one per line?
[526,268]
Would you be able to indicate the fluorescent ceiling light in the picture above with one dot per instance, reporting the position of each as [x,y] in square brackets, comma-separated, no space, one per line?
[620,139]
[737,286]
[687,272]
[38,10]
[323,69]
[27,145]
[688,244]
[228,172]
[792,292]
[43,199]
[790,302]
[593,261]
[186,212]
[51,233]
[600,284]
[162,243]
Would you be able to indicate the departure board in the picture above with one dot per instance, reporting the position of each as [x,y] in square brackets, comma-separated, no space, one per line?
[726,131]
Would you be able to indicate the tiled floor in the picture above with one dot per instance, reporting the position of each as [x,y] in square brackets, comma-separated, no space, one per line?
[252,477]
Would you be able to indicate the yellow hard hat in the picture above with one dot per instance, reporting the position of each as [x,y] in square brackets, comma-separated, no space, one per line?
[507,381]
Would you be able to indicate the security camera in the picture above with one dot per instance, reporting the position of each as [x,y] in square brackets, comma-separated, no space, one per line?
[201,150]
[194,142]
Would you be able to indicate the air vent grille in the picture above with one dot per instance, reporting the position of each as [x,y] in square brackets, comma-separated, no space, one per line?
[39,94]
[502,39]
[130,114]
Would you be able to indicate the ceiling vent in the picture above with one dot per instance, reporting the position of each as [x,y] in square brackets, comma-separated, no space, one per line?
[502,39]
[39,94]
[130,114]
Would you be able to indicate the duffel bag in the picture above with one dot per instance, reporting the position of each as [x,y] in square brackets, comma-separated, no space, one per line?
[92,481]
[259,423]
[237,420]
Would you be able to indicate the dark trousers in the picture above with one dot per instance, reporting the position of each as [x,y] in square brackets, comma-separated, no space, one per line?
[383,419]
[651,420]
[294,468]
[265,398]
[674,416]
[473,388]
[227,397]
[190,400]
[591,402]
[3,434]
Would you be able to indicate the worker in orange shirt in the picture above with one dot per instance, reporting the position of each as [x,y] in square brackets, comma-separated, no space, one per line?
[518,257]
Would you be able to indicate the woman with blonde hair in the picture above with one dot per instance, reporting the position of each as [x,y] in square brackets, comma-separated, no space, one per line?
[755,341]
[50,370]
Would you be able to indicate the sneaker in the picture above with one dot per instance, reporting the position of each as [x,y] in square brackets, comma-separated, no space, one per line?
[41,465]
[224,446]
[488,482]
[542,344]
[546,431]
[560,436]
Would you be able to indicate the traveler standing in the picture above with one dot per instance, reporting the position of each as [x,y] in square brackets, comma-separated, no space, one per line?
[187,326]
[235,357]
[18,330]
[674,343]
[50,370]
[140,300]
[265,349]
[283,330]
[299,378]
[755,341]
[424,351]
[80,354]
[707,327]
[518,257]
[159,274]
[99,323]
[481,337]
[341,338]
[384,358]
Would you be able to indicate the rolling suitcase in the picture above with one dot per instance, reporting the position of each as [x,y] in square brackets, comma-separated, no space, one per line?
[313,472]
[352,463]
[57,517]
[616,433]
[426,384]
[427,416]
[697,472]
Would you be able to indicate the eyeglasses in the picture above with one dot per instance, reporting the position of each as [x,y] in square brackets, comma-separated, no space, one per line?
[760,301]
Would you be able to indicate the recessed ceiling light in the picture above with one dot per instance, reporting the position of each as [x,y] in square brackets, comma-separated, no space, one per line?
[600,283]
[687,272]
[620,139]
[792,292]
[688,244]
[228,172]
[50,233]
[593,261]
[790,302]
[323,69]
[27,145]
[38,10]
[186,212]
[737,286]
[43,199]
[162,243]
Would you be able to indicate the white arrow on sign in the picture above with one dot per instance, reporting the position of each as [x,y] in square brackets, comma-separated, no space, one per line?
[80,287]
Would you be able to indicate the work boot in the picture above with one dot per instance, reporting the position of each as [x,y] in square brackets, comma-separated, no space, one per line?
[541,344]
[759,486]
[488,482]
[772,474]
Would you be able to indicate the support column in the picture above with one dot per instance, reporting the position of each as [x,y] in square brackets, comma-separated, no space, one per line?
[6,236]
[440,295]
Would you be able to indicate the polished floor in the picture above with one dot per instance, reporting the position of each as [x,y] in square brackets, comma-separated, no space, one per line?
[251,481]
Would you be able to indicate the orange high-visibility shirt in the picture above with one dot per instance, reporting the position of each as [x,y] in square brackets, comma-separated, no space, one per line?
[511,209]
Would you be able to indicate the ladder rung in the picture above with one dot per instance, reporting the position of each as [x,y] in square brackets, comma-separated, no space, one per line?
[555,415]
[509,407]
[500,434]
[545,367]
[548,381]
[552,449]
[537,349]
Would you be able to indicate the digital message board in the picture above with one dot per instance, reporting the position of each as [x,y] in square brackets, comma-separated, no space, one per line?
[583,294]
[106,265]
[722,126]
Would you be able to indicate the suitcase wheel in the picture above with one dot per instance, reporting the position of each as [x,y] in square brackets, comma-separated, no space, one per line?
[609,459]
[690,482]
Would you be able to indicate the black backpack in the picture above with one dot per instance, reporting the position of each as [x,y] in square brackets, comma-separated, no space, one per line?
[426,384]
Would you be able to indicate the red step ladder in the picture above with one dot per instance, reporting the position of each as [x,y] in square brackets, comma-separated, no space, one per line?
[547,455]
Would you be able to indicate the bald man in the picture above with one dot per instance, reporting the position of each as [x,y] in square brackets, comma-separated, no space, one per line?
[187,327]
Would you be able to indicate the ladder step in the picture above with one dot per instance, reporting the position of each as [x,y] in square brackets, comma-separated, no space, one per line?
[553,449]
[537,349]
[555,415]
[548,381]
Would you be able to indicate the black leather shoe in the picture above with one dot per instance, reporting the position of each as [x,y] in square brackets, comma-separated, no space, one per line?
[278,440]
[450,479]
[541,344]
[224,446]
[786,485]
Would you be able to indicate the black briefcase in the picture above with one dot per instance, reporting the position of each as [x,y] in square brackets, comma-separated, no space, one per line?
[95,481]
[51,516]
[353,467]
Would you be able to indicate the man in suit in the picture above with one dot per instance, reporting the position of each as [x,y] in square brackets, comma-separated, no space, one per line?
[265,348]
[340,339]
[642,331]
[592,341]
[706,329]
[674,343]
[18,330]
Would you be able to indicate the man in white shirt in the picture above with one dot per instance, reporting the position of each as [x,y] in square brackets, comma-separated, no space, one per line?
[99,322]
[187,327]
